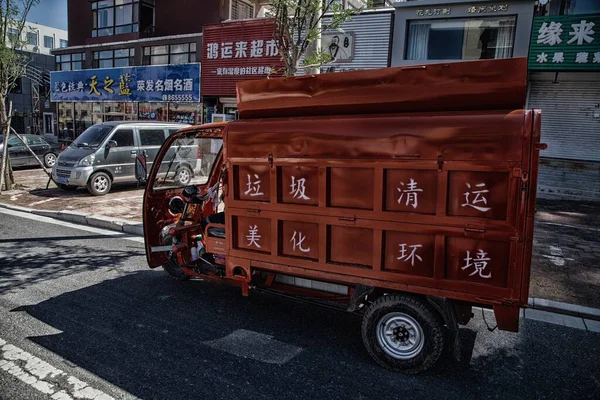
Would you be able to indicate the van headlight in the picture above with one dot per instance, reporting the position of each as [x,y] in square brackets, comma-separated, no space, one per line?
[87,161]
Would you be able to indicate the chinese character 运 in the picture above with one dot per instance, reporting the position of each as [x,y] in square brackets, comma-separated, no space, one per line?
[298,188]
[80,86]
[159,85]
[297,242]
[178,85]
[256,49]
[107,85]
[240,49]
[150,85]
[141,86]
[227,50]
[188,85]
[479,264]
[479,197]
[168,85]
[124,89]
[93,85]
[272,48]
[582,32]
[581,58]
[550,34]
[411,191]
[542,58]
[253,237]
[406,256]
[559,57]
[212,50]
[253,187]
[596,58]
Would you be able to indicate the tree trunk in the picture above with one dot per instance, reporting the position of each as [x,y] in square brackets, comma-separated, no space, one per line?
[6,175]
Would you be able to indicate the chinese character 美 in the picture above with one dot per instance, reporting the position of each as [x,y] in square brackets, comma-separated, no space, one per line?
[71,87]
[550,34]
[159,85]
[581,58]
[253,187]
[227,50]
[212,50]
[503,7]
[168,85]
[124,89]
[297,242]
[582,32]
[411,191]
[542,58]
[178,85]
[272,48]
[472,10]
[298,188]
[256,49]
[141,86]
[596,58]
[479,197]
[405,256]
[150,85]
[80,86]
[253,237]
[93,85]
[188,85]
[107,85]
[559,57]
[479,264]
[240,49]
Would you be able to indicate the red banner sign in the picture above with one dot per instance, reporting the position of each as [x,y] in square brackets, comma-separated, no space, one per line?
[238,51]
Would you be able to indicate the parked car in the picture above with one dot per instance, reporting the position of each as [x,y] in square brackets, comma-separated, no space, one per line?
[106,152]
[20,157]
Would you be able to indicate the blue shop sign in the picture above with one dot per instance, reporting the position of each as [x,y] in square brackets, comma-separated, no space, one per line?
[175,83]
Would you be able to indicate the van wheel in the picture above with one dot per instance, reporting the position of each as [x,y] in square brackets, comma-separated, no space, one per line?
[66,187]
[99,184]
[403,333]
[49,160]
[174,270]
[183,176]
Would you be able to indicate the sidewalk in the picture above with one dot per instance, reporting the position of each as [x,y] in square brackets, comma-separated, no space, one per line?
[566,248]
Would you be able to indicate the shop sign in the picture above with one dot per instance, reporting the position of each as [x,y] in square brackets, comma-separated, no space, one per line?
[339,45]
[173,83]
[238,51]
[486,9]
[565,42]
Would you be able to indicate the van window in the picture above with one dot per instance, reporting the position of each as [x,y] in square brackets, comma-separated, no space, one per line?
[152,137]
[92,136]
[123,137]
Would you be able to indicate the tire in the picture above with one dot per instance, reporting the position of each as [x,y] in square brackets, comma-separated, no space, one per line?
[410,321]
[49,160]
[99,184]
[66,187]
[174,270]
[183,176]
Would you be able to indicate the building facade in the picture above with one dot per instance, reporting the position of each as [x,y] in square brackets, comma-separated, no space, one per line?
[41,39]
[564,82]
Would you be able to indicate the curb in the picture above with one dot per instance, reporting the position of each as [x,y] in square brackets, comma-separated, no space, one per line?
[558,307]
[96,221]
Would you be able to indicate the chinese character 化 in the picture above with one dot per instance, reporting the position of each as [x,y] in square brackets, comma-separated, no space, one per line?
[107,85]
[297,242]
[559,57]
[550,34]
[406,256]
[241,49]
[479,197]
[479,264]
[411,191]
[253,187]
[298,190]
[256,49]
[253,237]
[227,50]
[582,32]
[213,50]
[581,58]
[124,89]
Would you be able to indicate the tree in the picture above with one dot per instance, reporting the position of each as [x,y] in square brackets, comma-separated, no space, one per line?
[13,64]
[299,27]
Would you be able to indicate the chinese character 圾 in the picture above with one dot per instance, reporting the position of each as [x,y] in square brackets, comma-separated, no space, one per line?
[581,58]
[478,264]
[406,256]
[107,85]
[550,34]
[582,32]
[411,191]
[559,57]
[227,50]
[124,89]
[93,85]
[253,237]
[256,49]
[241,49]
[479,197]
[297,240]
[212,50]
[253,187]
[298,190]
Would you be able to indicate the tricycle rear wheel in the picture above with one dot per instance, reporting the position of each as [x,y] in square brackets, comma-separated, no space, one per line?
[174,270]
[403,333]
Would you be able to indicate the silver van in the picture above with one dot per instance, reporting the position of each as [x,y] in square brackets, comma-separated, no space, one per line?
[106,152]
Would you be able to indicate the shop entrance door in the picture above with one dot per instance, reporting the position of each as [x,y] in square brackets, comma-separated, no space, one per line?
[48,125]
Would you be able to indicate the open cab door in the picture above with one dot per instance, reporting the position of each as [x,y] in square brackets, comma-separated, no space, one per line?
[183,186]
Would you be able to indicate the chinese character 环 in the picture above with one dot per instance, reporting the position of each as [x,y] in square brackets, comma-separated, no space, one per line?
[297,242]
[253,187]
[253,237]
[298,188]
[479,264]
[479,197]
[406,257]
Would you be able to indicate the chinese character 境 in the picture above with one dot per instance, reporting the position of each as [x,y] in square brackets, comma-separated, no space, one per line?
[227,50]
[253,187]
[406,256]
[582,32]
[581,58]
[479,264]
[212,50]
[298,188]
[479,197]
[297,242]
[240,49]
[256,49]
[124,89]
[253,237]
[411,191]
[550,34]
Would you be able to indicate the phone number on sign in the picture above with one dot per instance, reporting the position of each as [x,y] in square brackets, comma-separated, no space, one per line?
[178,97]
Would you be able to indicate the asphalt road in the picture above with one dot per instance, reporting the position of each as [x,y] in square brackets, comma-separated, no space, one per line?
[85,303]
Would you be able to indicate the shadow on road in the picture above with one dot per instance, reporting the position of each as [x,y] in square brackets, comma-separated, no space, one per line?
[147,334]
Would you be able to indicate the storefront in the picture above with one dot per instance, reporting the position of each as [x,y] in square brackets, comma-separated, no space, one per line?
[433,31]
[564,82]
[152,93]
[233,52]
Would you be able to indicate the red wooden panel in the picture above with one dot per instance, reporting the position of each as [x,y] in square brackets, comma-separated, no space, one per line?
[413,191]
[299,239]
[351,246]
[409,253]
[478,261]
[351,188]
[299,185]
[252,233]
[478,194]
[253,182]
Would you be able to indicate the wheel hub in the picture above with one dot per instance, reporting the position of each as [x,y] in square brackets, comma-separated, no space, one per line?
[400,335]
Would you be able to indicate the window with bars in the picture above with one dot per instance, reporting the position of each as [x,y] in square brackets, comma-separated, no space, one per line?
[70,62]
[241,10]
[115,17]
[113,58]
[181,53]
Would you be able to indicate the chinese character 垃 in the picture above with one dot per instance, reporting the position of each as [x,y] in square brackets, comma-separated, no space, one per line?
[297,242]
[213,50]
[479,197]
[253,187]
[240,49]
[256,49]
[479,264]
[411,193]
[550,34]
[406,256]
[299,188]
[124,89]
[253,237]
[582,32]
